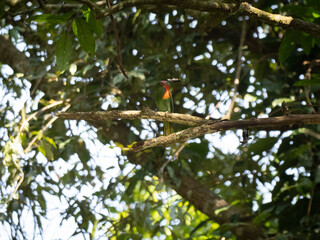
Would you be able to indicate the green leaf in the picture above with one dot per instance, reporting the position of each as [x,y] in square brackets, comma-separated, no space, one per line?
[287,45]
[264,144]
[45,149]
[95,25]
[14,33]
[64,51]
[41,200]
[307,43]
[84,35]
[98,27]
[82,151]
[307,82]
[303,184]
[74,28]
[278,101]
[250,98]
[50,140]
[316,14]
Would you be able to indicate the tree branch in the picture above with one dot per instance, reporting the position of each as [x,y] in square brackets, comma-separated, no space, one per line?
[216,6]
[26,121]
[184,119]
[72,5]
[279,20]
[257,123]
[49,123]
[212,6]
[205,6]
[203,126]
[14,159]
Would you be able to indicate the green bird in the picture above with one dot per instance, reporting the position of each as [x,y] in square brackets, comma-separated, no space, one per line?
[164,102]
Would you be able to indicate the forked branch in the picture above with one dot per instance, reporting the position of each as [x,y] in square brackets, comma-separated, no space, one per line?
[256,123]
[201,126]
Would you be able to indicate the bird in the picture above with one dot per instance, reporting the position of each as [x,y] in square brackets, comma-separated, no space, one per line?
[164,101]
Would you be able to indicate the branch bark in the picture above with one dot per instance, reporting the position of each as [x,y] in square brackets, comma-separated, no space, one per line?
[202,126]
[184,119]
[257,123]
[279,20]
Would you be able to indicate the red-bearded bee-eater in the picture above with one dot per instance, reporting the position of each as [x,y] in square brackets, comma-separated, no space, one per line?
[164,102]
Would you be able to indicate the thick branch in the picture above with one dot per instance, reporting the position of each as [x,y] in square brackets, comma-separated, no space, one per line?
[279,20]
[213,6]
[257,123]
[184,119]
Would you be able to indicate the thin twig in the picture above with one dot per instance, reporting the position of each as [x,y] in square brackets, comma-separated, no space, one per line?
[116,35]
[35,138]
[310,204]
[24,122]
[238,70]
[307,91]
[20,181]
[310,133]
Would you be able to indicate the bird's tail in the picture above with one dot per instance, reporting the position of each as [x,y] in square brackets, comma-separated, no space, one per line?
[166,128]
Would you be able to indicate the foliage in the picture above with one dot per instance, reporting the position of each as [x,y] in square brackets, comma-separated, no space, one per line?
[73,65]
